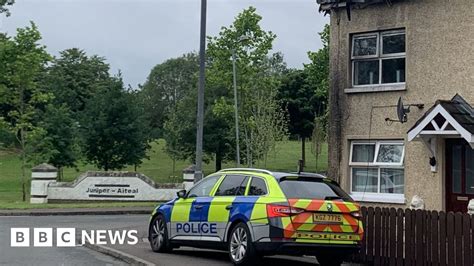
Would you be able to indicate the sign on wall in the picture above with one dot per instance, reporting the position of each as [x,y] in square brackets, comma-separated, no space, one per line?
[112,186]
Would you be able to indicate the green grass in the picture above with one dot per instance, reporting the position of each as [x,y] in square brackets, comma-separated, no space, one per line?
[159,168]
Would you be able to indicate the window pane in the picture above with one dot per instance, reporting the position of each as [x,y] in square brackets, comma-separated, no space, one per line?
[233,185]
[393,70]
[457,168]
[393,43]
[392,181]
[366,72]
[203,188]
[364,179]
[469,170]
[311,188]
[365,46]
[390,153]
[363,153]
[257,187]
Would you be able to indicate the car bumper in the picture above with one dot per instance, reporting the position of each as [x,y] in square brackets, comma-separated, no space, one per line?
[304,248]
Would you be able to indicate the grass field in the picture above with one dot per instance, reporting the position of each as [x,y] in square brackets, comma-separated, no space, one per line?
[159,168]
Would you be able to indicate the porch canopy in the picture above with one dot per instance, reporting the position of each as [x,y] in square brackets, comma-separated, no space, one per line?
[446,119]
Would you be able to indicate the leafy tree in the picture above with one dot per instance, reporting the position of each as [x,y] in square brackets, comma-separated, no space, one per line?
[301,103]
[116,130]
[4,8]
[58,145]
[180,130]
[22,62]
[166,85]
[317,72]
[74,78]
[257,80]
[317,78]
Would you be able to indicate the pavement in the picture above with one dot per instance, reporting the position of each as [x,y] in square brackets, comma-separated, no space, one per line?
[138,254]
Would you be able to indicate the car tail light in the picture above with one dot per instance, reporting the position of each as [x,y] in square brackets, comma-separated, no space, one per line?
[356,214]
[282,211]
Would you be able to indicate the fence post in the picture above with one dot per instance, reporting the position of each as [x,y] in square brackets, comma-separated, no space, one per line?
[41,176]
[188,177]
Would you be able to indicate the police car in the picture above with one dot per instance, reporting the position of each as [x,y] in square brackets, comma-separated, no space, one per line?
[254,212]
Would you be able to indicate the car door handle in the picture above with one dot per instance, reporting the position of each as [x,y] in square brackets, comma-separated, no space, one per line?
[229,207]
[198,207]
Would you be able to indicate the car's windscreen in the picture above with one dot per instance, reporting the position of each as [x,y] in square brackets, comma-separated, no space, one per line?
[312,188]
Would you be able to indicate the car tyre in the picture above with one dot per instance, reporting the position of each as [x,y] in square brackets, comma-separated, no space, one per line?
[240,246]
[158,235]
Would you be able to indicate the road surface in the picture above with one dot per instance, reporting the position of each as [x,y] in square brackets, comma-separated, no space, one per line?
[83,256]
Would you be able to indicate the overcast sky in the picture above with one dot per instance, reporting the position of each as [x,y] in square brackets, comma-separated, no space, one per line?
[135,35]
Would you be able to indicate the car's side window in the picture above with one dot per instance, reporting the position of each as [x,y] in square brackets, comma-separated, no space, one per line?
[258,187]
[203,188]
[232,185]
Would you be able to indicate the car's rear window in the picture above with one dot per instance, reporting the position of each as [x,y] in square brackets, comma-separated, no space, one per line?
[312,188]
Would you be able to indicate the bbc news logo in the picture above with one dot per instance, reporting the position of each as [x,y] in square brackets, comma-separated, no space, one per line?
[66,237]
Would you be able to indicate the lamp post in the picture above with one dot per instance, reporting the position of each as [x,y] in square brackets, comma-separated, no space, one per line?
[236,111]
[200,107]
[236,108]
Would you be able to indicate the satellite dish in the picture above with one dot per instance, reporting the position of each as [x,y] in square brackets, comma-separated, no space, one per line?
[402,111]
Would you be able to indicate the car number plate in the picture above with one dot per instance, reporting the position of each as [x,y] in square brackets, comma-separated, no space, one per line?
[327,218]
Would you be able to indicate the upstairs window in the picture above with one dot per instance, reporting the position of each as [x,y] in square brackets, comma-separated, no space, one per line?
[378,58]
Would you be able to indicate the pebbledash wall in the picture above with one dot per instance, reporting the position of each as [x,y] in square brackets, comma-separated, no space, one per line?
[102,186]
[439,64]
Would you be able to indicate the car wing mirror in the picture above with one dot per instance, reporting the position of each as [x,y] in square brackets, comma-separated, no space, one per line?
[181,194]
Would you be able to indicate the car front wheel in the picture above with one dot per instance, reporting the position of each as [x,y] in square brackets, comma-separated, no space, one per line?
[158,235]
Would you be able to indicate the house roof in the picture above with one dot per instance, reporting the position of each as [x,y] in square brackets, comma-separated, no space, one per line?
[326,5]
[446,117]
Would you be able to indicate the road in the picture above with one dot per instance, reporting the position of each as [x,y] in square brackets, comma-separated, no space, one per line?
[83,256]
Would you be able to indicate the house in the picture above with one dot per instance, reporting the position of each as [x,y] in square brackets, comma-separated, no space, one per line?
[420,52]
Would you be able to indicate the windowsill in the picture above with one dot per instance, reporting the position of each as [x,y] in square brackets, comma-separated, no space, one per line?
[379,198]
[376,88]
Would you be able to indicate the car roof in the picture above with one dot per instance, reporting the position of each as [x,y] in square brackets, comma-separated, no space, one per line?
[277,175]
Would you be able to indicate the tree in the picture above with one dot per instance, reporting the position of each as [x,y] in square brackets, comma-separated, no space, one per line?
[166,85]
[257,81]
[301,103]
[180,130]
[317,72]
[4,8]
[22,62]
[58,145]
[116,130]
[74,78]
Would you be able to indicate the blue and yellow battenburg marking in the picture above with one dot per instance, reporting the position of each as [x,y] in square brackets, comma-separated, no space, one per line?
[211,216]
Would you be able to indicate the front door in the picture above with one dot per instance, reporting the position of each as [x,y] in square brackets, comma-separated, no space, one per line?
[459,175]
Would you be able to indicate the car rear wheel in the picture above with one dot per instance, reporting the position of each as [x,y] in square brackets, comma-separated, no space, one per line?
[241,249]
[158,235]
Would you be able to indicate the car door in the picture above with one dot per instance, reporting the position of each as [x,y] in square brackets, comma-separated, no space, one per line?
[187,212]
[232,186]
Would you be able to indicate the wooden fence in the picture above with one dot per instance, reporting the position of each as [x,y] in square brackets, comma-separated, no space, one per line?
[409,237]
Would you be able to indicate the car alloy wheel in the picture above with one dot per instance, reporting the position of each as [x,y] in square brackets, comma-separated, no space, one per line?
[158,233]
[238,244]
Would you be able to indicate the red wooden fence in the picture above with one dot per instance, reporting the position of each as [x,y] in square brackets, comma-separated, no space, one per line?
[409,237]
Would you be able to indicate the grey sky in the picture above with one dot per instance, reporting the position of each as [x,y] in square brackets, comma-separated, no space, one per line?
[135,35]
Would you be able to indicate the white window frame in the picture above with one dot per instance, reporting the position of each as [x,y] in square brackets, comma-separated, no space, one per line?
[377,196]
[378,56]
